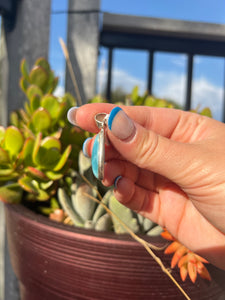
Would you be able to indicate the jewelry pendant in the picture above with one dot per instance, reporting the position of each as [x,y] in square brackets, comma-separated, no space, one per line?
[98,151]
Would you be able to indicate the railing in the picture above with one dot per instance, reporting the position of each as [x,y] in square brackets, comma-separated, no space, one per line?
[153,35]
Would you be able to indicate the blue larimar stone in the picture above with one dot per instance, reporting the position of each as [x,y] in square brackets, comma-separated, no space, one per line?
[94,157]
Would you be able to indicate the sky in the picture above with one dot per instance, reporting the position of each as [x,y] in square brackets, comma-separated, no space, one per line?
[130,67]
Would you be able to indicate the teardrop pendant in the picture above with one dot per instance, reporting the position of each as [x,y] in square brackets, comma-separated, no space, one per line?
[98,151]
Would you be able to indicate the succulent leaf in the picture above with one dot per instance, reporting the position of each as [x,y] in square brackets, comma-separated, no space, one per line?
[155,231]
[11,193]
[192,271]
[2,133]
[47,158]
[104,223]
[188,262]
[33,90]
[100,210]
[66,204]
[26,153]
[36,148]
[13,140]
[27,184]
[183,272]
[42,62]
[39,76]
[82,204]
[36,174]
[24,84]
[51,142]
[24,69]
[4,157]
[62,161]
[40,121]
[52,105]
[124,214]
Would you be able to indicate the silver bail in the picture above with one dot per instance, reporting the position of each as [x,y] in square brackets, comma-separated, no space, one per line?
[101,120]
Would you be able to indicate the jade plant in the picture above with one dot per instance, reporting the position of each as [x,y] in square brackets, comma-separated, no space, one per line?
[35,150]
[42,165]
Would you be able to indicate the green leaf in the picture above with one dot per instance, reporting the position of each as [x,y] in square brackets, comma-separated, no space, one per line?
[14,119]
[63,159]
[134,94]
[42,195]
[26,153]
[35,102]
[53,85]
[47,158]
[2,133]
[69,100]
[36,148]
[5,172]
[36,174]
[40,120]
[150,101]
[33,90]
[24,84]
[13,141]
[11,193]
[26,183]
[206,112]
[52,105]
[39,76]
[42,62]
[24,69]
[51,142]
[54,175]
[4,157]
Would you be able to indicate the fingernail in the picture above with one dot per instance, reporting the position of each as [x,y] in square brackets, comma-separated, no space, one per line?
[84,149]
[120,124]
[71,115]
[116,181]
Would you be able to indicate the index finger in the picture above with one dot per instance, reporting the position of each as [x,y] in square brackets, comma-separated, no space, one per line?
[162,121]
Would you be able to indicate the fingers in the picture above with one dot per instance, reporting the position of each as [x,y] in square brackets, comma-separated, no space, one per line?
[146,149]
[138,144]
[161,120]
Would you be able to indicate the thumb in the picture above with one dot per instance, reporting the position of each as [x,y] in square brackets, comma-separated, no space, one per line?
[148,150]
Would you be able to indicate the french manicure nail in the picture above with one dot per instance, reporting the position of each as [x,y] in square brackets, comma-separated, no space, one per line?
[71,115]
[84,149]
[116,181]
[120,124]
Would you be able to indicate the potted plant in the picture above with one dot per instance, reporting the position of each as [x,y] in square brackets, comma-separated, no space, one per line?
[44,172]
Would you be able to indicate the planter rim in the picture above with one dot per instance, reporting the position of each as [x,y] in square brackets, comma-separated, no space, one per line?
[68,230]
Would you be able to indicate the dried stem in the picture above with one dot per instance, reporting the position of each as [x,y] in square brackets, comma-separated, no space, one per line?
[145,244]
[72,74]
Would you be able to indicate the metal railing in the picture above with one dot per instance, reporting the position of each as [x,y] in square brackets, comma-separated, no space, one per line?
[155,35]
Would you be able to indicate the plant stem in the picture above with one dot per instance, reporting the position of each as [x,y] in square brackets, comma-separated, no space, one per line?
[72,74]
[145,244]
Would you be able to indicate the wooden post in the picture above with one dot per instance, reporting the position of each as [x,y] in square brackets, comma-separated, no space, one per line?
[82,44]
[29,39]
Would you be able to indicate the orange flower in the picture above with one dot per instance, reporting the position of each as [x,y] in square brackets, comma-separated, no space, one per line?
[188,262]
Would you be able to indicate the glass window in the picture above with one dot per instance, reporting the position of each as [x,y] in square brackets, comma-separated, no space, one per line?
[207,86]
[169,77]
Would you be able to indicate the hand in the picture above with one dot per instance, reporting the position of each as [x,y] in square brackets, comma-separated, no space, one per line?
[172,168]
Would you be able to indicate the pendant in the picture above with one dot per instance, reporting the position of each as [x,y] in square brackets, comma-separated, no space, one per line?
[98,151]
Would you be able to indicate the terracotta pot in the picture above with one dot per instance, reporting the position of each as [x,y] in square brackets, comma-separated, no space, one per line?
[55,261]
